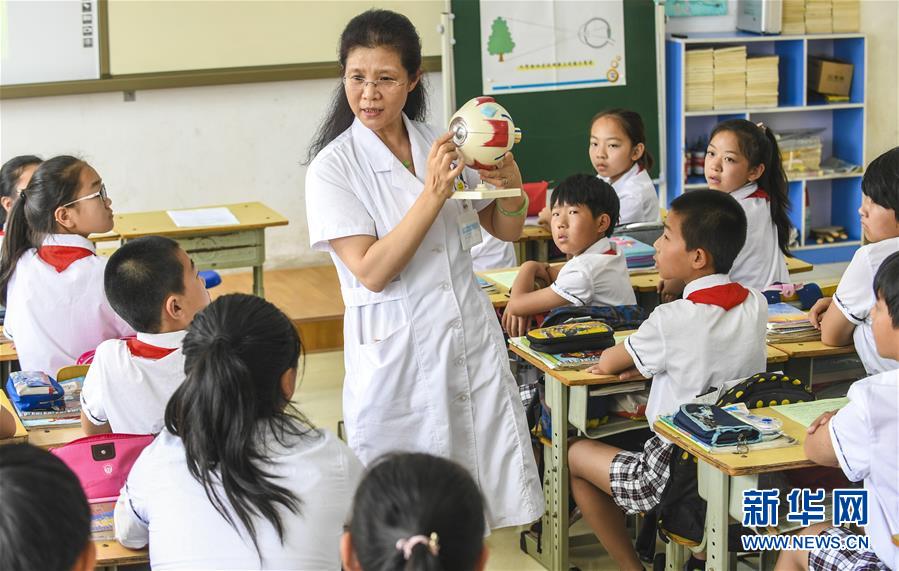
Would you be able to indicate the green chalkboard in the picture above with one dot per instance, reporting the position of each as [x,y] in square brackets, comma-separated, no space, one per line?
[556,124]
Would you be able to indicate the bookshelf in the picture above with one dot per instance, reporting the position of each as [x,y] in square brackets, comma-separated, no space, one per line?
[817,200]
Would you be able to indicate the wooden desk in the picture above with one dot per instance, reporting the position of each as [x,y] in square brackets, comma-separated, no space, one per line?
[804,356]
[21,434]
[111,554]
[210,247]
[533,233]
[55,437]
[716,471]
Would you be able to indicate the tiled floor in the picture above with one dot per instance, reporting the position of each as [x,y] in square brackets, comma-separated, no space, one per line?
[319,397]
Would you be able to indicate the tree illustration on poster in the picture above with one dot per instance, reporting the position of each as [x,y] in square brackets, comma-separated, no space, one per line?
[500,42]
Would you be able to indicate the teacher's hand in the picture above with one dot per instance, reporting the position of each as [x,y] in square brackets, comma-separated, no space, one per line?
[444,165]
[504,174]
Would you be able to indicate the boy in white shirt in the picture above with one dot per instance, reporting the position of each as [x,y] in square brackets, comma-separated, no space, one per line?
[155,287]
[863,440]
[584,210]
[682,347]
[846,318]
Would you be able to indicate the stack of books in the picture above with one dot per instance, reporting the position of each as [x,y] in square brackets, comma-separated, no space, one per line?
[730,78]
[788,324]
[636,253]
[793,17]
[818,17]
[70,415]
[560,361]
[845,15]
[800,152]
[761,81]
[700,78]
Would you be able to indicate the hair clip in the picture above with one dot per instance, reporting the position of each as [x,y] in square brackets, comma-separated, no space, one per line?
[406,545]
[761,125]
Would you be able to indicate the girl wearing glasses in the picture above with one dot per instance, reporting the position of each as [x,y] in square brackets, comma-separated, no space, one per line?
[426,365]
[51,279]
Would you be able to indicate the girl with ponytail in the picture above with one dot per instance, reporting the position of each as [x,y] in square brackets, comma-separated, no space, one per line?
[239,478]
[51,280]
[743,159]
[415,512]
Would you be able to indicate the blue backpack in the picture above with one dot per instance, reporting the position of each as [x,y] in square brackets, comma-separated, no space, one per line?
[618,317]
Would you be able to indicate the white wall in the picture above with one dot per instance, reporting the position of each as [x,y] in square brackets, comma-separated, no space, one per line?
[183,148]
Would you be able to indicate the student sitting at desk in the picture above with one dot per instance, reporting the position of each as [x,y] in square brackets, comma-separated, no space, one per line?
[14,177]
[46,522]
[715,334]
[584,211]
[848,318]
[863,440]
[51,280]
[155,287]
[239,479]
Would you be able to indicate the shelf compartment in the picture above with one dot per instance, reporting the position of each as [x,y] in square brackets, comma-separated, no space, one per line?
[847,49]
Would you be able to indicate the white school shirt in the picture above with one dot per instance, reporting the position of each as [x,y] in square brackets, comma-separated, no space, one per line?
[596,277]
[129,391]
[855,298]
[493,253]
[687,347]
[426,364]
[163,505]
[637,195]
[55,317]
[760,263]
[865,437]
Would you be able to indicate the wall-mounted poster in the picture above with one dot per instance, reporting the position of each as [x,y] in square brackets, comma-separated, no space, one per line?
[548,45]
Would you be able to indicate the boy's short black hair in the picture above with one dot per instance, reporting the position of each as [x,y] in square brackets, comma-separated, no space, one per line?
[591,191]
[140,276]
[881,180]
[886,286]
[713,221]
[42,500]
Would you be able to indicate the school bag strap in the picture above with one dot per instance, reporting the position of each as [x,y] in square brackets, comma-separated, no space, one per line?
[102,462]
[618,317]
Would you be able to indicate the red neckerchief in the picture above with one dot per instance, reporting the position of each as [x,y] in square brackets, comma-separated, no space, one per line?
[610,252]
[147,351]
[61,257]
[726,296]
[759,193]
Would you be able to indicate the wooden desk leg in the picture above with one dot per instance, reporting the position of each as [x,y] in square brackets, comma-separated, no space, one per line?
[717,518]
[258,288]
[675,556]
[520,252]
[555,521]
[543,251]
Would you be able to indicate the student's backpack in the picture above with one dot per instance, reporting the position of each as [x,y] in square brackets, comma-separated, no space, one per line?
[618,317]
[102,462]
[680,515]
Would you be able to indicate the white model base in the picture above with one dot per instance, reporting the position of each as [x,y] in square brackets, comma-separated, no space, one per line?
[481,192]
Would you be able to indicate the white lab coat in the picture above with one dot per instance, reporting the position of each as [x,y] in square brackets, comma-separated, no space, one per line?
[426,365]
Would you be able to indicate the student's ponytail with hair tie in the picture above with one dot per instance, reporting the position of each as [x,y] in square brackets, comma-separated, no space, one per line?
[231,404]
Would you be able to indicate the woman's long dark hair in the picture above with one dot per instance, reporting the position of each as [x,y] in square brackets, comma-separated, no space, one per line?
[759,145]
[231,403]
[371,29]
[54,183]
[404,495]
[9,177]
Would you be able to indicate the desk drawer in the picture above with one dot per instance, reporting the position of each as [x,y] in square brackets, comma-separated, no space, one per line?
[578,403]
[228,257]
[242,239]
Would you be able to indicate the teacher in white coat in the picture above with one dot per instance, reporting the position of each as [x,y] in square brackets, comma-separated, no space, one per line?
[426,365]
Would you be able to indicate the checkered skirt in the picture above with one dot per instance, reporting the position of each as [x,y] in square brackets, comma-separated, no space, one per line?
[843,559]
[639,478]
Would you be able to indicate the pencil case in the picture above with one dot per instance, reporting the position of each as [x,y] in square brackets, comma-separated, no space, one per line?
[714,426]
[572,337]
[34,390]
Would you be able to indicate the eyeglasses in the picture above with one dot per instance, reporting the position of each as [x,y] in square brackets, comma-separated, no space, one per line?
[358,83]
[101,193]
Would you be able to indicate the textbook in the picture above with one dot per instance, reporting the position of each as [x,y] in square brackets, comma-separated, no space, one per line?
[789,324]
[636,253]
[68,416]
[560,362]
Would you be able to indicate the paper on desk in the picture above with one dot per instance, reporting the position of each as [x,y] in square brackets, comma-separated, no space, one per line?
[220,216]
[806,412]
[504,278]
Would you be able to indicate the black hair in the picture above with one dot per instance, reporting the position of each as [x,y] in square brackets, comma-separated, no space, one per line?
[886,286]
[632,125]
[713,221]
[404,495]
[881,181]
[9,177]
[593,192]
[53,184]
[140,276]
[759,145]
[42,500]
[231,402]
[371,29]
